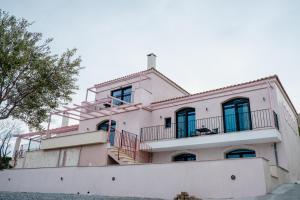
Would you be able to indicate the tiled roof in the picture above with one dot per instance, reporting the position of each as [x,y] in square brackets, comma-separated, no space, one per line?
[138,74]
[122,78]
[218,89]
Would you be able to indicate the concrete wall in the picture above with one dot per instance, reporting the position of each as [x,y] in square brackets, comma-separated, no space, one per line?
[210,179]
[88,155]
[93,155]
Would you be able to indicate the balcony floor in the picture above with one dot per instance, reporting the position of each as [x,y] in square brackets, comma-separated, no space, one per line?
[218,140]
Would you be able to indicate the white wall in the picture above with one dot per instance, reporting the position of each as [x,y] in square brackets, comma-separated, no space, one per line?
[289,148]
[218,153]
[211,179]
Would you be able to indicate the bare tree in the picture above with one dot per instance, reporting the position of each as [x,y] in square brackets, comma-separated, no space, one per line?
[8,128]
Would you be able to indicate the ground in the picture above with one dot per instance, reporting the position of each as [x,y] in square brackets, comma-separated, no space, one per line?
[284,192]
[43,196]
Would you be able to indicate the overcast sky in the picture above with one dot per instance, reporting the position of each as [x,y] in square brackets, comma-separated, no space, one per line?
[201,45]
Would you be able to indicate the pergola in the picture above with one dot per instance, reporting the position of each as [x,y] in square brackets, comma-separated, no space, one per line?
[95,109]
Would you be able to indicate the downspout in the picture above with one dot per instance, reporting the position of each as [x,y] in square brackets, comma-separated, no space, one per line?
[272,109]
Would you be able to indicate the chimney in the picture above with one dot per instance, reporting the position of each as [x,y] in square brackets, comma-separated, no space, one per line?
[65,120]
[151,61]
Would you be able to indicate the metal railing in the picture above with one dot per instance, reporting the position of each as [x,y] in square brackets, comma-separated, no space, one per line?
[129,143]
[258,119]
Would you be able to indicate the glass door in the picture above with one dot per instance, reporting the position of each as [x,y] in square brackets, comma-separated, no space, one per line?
[185,123]
[237,115]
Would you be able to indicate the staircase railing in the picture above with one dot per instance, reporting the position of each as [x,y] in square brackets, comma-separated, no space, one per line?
[129,143]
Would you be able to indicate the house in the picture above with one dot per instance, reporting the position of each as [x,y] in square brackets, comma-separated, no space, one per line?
[146,118]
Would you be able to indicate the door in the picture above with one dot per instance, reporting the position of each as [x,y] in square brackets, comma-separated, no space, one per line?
[104,126]
[185,123]
[237,115]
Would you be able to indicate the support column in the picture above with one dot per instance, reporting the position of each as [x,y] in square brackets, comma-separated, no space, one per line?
[48,134]
[17,146]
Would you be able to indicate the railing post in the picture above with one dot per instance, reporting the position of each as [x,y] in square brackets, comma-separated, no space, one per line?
[275,118]
[29,144]
[135,148]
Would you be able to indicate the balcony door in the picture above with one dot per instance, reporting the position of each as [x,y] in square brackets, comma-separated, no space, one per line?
[237,115]
[185,123]
[104,126]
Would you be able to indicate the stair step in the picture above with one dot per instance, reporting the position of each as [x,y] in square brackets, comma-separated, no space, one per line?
[123,158]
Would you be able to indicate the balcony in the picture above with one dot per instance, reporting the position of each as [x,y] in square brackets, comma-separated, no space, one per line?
[260,126]
[79,139]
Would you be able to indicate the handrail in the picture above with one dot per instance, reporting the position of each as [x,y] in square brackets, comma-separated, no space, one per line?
[259,119]
[129,143]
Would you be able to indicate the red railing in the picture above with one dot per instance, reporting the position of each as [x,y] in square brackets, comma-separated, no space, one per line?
[129,143]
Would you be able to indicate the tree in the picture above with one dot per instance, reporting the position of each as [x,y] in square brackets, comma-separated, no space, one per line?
[33,81]
[8,128]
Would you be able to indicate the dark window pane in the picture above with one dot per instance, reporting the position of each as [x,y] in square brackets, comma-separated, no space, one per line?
[185,157]
[185,122]
[123,94]
[104,127]
[237,115]
[241,153]
[168,122]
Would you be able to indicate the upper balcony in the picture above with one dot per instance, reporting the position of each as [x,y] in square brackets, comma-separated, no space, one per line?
[260,126]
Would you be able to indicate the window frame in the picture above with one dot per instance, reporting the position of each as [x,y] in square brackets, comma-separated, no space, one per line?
[122,90]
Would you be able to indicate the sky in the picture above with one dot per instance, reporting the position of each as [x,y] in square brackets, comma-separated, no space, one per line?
[201,45]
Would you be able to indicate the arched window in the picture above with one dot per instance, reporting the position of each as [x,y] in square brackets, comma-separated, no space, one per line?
[237,115]
[241,153]
[104,126]
[185,123]
[184,157]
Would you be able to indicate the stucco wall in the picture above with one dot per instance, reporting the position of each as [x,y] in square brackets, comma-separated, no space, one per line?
[289,148]
[218,153]
[211,105]
[211,179]
[146,89]
[129,121]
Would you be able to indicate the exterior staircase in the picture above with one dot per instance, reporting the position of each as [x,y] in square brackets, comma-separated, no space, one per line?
[120,156]
[125,148]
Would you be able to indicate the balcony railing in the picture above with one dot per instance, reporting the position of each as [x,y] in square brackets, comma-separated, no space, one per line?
[259,119]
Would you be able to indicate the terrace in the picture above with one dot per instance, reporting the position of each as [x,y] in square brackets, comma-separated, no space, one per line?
[260,126]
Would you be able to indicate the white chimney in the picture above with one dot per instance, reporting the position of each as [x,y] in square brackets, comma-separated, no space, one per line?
[151,62]
[65,120]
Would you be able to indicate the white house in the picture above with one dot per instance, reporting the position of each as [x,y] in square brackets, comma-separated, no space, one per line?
[236,141]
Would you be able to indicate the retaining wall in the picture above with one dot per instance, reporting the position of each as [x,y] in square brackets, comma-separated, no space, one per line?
[209,179]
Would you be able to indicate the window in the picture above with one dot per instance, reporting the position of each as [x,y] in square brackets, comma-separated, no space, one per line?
[124,94]
[184,157]
[241,153]
[103,126]
[185,123]
[168,122]
[237,116]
